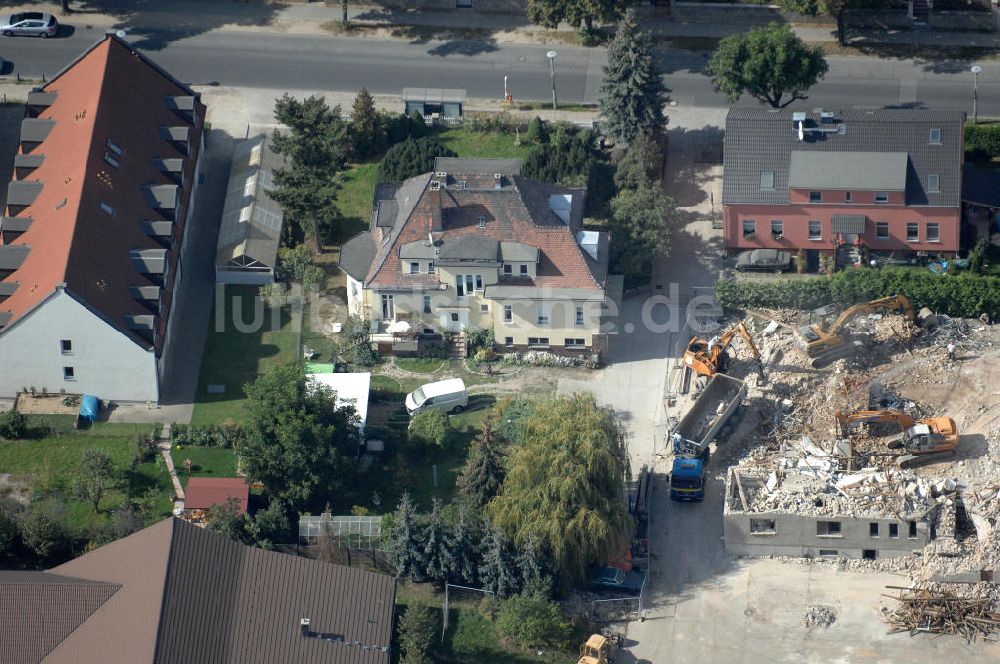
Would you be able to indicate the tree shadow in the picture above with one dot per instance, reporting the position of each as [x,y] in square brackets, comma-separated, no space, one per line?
[691,156]
[153,25]
[464,47]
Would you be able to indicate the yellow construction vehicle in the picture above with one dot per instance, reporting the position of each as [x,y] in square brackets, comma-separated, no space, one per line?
[709,357]
[826,345]
[929,436]
[597,650]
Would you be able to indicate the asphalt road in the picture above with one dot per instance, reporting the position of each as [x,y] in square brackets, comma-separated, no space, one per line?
[311,63]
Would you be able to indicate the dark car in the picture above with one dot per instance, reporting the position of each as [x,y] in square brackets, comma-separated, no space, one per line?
[764,259]
[32,24]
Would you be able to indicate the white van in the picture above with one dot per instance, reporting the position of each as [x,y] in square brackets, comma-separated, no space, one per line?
[446,395]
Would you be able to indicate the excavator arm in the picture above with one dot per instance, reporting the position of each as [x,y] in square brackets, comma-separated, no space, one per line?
[900,302]
[846,421]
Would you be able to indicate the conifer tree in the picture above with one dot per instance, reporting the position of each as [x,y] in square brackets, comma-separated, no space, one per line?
[497,570]
[369,134]
[404,545]
[436,554]
[483,474]
[463,548]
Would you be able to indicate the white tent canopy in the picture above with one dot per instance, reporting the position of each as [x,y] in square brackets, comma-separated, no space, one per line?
[351,389]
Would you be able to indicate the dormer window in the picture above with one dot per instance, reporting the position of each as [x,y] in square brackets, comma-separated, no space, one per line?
[111,145]
[508,268]
[481,222]
[414,268]
[524,270]
[767,180]
[430,267]
[934,136]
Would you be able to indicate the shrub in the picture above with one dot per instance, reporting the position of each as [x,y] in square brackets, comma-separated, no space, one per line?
[44,530]
[479,338]
[976,256]
[410,158]
[982,141]
[417,630]
[964,295]
[211,435]
[536,132]
[13,425]
[533,620]
[431,429]
[501,123]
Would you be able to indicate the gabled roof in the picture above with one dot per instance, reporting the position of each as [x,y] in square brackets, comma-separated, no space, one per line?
[177,593]
[474,221]
[88,213]
[761,141]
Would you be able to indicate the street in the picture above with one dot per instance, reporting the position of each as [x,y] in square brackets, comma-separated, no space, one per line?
[282,61]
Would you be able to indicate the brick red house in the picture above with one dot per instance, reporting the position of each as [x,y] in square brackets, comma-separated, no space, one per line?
[886,180]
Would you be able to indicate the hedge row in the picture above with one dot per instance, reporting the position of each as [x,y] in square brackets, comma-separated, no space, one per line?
[982,141]
[964,295]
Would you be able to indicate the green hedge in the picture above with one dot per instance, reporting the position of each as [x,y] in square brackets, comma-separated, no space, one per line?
[964,295]
[982,141]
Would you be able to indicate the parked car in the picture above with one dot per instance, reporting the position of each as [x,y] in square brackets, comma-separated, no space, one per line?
[609,577]
[764,259]
[446,395]
[32,24]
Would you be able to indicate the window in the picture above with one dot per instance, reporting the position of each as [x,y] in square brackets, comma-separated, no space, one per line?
[762,527]
[479,282]
[828,552]
[508,341]
[543,315]
[388,309]
[579,315]
[460,285]
[538,341]
[934,136]
[815,196]
[414,268]
[749,229]
[524,270]
[881,197]
[873,530]
[69,373]
[913,530]
[67,346]
[767,179]
[881,230]
[107,208]
[111,160]
[933,232]
[869,554]
[777,229]
[893,530]
[484,308]
[815,230]
[912,232]
[481,222]
[469,287]
[430,267]
[454,318]
[847,197]
[508,268]
[828,529]
[111,145]
[508,313]
[427,304]
[934,182]
[575,343]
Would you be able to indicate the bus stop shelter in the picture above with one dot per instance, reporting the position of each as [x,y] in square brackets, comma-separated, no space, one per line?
[435,103]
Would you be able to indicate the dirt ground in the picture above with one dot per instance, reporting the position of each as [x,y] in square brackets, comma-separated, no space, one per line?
[50,404]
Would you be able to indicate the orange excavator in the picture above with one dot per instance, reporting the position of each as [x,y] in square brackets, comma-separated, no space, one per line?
[921,438]
[826,345]
[707,357]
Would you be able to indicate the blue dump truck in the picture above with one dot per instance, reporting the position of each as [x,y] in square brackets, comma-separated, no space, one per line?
[695,432]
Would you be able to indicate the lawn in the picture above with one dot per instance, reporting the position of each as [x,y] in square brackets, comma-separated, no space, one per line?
[238,350]
[206,462]
[424,365]
[50,457]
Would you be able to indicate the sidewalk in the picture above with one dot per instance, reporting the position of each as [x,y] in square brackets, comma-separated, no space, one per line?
[187,17]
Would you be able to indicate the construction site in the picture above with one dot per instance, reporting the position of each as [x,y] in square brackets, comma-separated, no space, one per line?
[866,437]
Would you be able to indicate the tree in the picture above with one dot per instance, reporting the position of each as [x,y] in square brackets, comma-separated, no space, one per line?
[536,131]
[768,64]
[417,630]
[564,486]
[298,441]
[641,165]
[431,430]
[497,571]
[295,266]
[411,157]
[317,146]
[10,534]
[269,526]
[533,620]
[13,425]
[343,14]
[632,93]
[44,530]
[550,13]
[437,559]
[566,159]
[226,520]
[95,475]
[640,223]
[404,544]
[366,126]
[462,543]
[534,577]
[483,473]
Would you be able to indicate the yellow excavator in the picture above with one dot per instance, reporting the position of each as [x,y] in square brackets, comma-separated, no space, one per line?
[921,438]
[707,357]
[597,650]
[826,345]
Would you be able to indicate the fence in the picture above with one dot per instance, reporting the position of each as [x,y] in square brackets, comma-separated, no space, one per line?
[460,594]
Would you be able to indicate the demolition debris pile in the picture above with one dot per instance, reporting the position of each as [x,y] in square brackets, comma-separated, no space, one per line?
[940,612]
[818,616]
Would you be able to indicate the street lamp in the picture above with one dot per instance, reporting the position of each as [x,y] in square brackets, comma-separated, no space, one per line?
[975,92]
[551,55]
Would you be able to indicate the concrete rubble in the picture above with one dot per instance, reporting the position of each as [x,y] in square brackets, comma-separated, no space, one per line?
[818,616]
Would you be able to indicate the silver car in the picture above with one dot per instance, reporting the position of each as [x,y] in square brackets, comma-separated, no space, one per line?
[31,24]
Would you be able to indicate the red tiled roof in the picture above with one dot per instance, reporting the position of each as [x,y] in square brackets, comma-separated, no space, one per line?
[110,93]
[517,212]
[203,492]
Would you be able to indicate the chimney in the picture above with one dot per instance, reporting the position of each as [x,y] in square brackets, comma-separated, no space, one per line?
[304,626]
